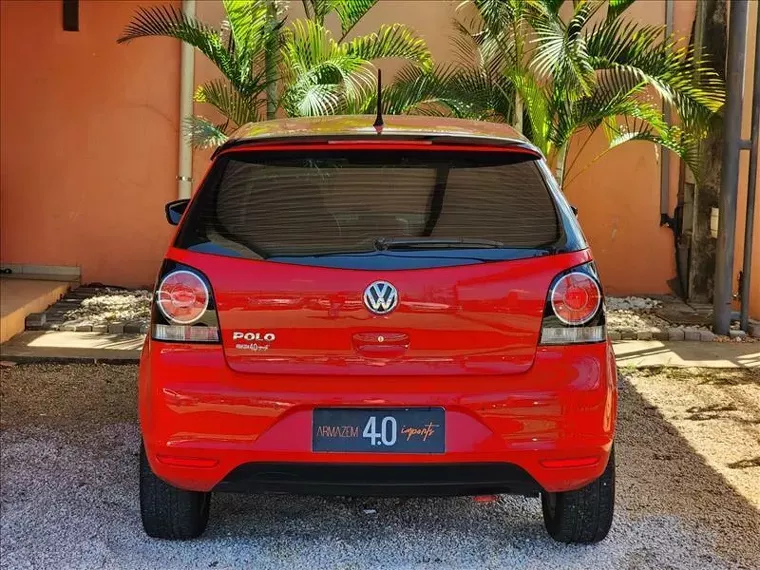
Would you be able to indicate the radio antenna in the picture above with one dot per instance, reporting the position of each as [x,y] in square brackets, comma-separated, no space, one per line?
[379,124]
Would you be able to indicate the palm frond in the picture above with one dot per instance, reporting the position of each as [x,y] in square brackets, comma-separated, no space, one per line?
[391,41]
[551,7]
[674,139]
[168,21]
[248,24]
[315,99]
[238,109]
[202,133]
[537,107]
[307,44]
[350,12]
[561,53]
[312,58]
[417,91]
[667,65]
[616,7]
[317,10]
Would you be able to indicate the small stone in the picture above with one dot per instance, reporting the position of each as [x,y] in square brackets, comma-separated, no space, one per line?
[754,330]
[644,335]
[614,335]
[35,321]
[706,336]
[691,334]
[7,364]
[68,327]
[628,334]
[737,334]
[116,328]
[660,334]
[676,334]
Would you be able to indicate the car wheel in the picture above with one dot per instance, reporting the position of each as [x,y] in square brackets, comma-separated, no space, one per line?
[583,516]
[168,512]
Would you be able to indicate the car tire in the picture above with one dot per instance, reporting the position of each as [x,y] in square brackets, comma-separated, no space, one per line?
[168,512]
[583,516]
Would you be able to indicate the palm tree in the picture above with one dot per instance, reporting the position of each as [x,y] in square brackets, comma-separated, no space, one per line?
[266,64]
[569,76]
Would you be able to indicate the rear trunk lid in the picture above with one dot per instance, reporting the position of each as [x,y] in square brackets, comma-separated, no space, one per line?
[289,319]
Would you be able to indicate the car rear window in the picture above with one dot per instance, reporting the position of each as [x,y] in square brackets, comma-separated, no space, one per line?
[279,205]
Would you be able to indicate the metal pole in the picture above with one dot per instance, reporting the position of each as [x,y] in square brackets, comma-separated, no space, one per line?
[729,180]
[665,156]
[751,187]
[186,88]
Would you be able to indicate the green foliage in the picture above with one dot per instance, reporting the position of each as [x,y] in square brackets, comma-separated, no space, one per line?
[583,72]
[552,69]
[315,74]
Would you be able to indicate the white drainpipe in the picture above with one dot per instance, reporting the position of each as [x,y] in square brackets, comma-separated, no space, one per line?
[186,88]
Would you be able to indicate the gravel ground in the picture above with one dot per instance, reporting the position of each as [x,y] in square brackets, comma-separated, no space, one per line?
[633,313]
[111,305]
[68,493]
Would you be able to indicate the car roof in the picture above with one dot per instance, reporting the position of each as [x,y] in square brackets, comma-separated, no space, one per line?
[406,127]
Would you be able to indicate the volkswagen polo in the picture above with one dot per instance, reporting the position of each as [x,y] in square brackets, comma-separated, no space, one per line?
[405,309]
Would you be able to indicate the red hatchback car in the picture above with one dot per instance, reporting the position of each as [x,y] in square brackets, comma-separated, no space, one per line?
[409,310]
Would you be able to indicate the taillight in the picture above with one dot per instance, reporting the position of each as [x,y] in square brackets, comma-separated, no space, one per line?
[182,297]
[184,308]
[574,310]
[575,298]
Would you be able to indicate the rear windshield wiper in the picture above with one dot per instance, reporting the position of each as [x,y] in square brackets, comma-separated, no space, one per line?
[383,244]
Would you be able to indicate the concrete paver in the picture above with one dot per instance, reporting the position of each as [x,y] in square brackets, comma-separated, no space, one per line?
[685,354]
[36,346]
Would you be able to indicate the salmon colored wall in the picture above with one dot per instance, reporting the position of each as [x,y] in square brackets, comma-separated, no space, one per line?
[88,136]
[99,203]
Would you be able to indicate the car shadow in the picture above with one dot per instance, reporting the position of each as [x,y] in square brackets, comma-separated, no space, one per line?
[664,487]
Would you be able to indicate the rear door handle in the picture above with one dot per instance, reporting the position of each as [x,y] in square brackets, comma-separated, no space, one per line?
[381,344]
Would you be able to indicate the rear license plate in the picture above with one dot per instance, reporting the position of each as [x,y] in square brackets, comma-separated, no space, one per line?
[383,430]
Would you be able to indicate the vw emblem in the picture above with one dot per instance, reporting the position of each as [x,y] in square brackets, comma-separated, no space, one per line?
[380,297]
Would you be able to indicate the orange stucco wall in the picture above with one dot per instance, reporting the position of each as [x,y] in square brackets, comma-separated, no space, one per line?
[88,131]
[106,117]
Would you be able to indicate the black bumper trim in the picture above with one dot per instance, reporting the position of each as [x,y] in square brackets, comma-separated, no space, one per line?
[411,480]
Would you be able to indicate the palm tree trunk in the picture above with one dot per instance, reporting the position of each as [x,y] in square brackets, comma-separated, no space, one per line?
[270,60]
[518,38]
[518,113]
[706,196]
[559,171]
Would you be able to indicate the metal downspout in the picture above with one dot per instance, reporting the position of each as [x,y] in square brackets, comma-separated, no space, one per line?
[751,188]
[186,88]
[665,154]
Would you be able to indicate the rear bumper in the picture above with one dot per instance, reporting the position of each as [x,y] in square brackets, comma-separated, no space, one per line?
[206,427]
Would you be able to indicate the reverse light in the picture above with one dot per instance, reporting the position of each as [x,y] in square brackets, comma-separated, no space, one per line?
[182,333]
[550,335]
